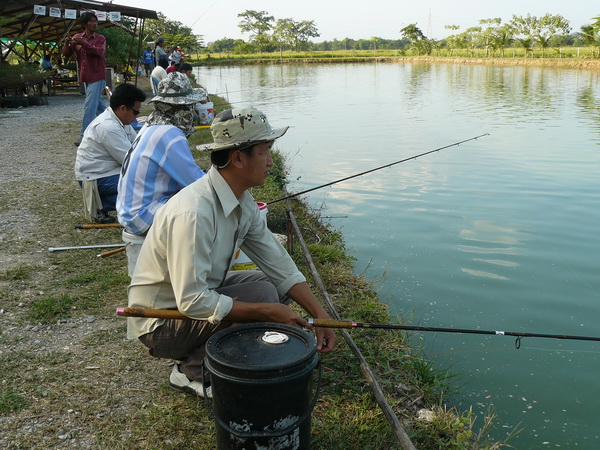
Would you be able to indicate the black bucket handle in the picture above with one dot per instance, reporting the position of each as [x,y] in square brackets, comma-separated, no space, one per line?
[267,434]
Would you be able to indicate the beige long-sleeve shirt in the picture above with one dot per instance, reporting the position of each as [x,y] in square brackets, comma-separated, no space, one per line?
[189,249]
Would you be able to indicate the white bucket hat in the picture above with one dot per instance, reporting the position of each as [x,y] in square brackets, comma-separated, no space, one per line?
[240,127]
[176,89]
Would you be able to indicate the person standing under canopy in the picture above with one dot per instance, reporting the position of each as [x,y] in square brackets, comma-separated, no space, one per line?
[89,47]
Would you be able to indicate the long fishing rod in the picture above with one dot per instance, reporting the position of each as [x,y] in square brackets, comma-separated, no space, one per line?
[377,168]
[327,323]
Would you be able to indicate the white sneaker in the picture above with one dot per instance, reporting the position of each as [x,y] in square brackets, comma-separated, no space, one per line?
[179,381]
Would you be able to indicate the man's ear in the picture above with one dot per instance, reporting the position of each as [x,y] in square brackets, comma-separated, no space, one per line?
[236,159]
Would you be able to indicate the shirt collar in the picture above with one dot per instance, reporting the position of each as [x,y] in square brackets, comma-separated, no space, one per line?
[226,196]
[112,113]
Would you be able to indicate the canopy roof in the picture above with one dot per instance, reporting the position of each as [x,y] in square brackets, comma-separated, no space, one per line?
[19,23]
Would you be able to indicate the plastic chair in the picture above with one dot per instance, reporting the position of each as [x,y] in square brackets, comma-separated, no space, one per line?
[154,85]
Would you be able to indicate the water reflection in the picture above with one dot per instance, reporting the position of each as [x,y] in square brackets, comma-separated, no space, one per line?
[499,233]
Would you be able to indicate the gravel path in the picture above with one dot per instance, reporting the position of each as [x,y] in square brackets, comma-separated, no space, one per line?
[37,148]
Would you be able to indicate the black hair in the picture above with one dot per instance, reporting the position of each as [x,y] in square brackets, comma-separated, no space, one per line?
[185,66]
[126,94]
[86,17]
[220,158]
[163,63]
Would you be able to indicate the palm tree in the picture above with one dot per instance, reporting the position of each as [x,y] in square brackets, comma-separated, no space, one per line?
[588,34]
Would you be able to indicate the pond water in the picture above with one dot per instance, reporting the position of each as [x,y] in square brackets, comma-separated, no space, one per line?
[500,233]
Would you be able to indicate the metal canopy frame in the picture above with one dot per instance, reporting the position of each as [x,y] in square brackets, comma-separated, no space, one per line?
[19,25]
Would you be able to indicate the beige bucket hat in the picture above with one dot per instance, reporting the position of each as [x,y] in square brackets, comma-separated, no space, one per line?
[240,127]
[176,89]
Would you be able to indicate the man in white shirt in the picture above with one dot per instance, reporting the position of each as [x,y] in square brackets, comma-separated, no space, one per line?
[104,146]
[185,259]
[158,74]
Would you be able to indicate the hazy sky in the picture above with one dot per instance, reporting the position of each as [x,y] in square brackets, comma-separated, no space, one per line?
[216,19]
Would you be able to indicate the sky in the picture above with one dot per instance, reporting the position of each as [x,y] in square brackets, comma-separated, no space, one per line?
[337,19]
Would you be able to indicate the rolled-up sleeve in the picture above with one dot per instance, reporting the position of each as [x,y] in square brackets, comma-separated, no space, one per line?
[262,247]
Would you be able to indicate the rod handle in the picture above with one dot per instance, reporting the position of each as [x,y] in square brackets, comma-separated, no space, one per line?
[330,323]
[156,313]
[111,252]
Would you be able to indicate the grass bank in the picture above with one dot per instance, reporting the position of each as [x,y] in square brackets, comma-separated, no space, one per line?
[573,58]
[69,377]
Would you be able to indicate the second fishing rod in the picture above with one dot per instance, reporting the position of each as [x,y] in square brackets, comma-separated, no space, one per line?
[377,168]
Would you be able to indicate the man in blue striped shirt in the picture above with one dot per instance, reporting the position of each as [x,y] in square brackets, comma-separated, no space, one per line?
[159,163]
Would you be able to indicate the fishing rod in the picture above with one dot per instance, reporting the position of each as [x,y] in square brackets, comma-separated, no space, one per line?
[377,168]
[330,323]
[89,226]
[59,249]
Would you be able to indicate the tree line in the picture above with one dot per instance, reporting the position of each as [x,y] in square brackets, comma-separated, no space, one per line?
[268,34]
[551,30]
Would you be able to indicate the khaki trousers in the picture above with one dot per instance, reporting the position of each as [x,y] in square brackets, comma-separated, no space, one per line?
[185,340]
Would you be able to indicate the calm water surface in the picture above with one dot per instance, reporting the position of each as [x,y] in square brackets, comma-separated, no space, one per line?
[495,234]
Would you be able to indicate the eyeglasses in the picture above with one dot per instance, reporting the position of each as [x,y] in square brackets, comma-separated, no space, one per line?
[136,112]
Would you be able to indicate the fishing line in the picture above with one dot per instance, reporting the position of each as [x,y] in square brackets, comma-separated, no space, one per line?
[377,168]
[564,263]
[205,11]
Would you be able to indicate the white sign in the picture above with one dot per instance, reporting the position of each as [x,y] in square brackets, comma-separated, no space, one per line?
[114,16]
[54,12]
[39,10]
[101,16]
[70,14]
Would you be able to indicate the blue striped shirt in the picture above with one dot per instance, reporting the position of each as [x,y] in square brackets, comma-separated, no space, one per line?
[159,165]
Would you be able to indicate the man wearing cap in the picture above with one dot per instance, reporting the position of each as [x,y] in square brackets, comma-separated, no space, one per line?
[184,262]
[159,162]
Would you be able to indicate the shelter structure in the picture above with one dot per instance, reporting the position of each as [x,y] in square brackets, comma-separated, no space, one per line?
[31,28]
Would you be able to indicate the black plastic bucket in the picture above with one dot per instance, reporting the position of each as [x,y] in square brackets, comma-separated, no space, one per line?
[262,385]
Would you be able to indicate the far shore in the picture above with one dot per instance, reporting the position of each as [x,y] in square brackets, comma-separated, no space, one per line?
[566,63]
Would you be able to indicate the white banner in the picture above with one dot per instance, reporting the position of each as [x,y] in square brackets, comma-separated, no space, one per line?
[114,16]
[70,14]
[54,12]
[39,10]
[101,16]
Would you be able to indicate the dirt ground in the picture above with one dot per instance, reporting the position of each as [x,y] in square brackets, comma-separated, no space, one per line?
[74,376]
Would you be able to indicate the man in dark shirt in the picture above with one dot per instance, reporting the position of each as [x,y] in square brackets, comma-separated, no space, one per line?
[89,48]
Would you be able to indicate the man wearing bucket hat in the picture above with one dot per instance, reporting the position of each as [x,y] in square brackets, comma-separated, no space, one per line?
[184,262]
[159,162]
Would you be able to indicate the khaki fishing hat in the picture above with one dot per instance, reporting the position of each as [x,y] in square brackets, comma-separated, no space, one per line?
[176,89]
[240,127]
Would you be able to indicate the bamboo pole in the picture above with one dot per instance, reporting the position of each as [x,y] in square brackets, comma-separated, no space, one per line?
[401,434]
[111,252]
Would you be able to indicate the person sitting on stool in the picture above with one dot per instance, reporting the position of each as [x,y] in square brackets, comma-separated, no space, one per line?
[104,146]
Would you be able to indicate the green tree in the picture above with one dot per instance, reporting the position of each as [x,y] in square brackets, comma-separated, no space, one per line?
[524,29]
[418,41]
[588,35]
[258,24]
[174,33]
[284,34]
[452,41]
[548,27]
[223,45]
[305,29]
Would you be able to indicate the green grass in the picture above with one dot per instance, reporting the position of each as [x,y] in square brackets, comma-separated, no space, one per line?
[20,272]
[11,401]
